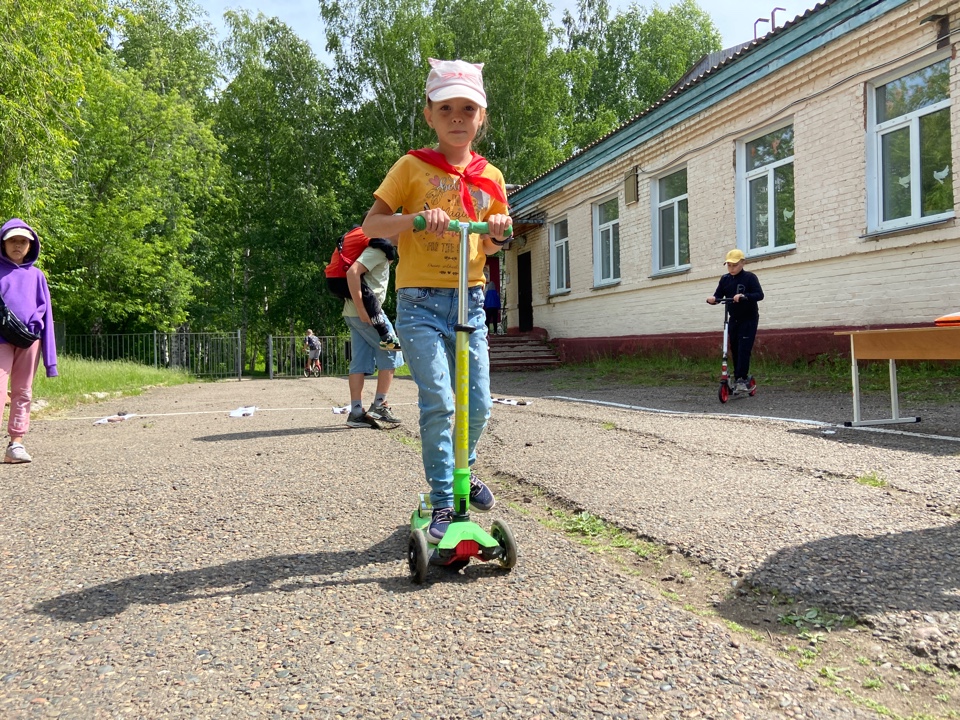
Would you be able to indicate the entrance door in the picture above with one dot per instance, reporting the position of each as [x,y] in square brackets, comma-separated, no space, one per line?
[525,292]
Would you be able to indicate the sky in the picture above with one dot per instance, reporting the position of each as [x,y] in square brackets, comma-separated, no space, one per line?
[734,18]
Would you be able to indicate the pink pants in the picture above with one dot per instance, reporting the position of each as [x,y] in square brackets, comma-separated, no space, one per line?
[19,365]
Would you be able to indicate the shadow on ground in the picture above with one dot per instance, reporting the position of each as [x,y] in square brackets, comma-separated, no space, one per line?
[242,577]
[261,434]
[861,576]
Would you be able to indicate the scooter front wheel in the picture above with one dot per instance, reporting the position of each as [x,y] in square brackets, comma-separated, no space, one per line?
[724,393]
[418,556]
[500,532]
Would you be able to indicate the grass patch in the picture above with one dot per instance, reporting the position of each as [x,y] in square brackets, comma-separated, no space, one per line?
[736,627]
[917,380]
[814,618]
[872,479]
[90,381]
[596,533]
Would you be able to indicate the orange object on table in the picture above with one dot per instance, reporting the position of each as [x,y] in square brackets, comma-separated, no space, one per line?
[948,320]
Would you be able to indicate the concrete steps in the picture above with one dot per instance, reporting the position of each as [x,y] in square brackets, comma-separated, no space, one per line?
[521,352]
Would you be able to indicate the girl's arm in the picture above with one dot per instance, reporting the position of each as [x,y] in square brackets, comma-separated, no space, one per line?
[354,277]
[381,222]
[48,343]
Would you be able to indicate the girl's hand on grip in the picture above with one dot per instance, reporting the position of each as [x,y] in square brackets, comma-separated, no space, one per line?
[498,225]
[436,221]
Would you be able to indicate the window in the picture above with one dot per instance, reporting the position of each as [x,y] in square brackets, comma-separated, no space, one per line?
[909,164]
[671,239]
[606,243]
[559,258]
[766,210]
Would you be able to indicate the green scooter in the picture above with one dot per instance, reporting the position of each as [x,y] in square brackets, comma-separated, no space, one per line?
[464,539]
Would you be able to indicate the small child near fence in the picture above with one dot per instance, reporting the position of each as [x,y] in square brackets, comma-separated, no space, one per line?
[313,346]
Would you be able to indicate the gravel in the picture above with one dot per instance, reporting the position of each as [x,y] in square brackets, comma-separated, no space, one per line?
[187,564]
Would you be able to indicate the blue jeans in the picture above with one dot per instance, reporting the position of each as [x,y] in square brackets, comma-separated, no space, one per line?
[426,318]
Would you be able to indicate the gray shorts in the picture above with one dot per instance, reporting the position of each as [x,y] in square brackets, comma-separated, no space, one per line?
[366,353]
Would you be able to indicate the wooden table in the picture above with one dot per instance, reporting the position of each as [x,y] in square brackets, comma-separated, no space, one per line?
[926,343]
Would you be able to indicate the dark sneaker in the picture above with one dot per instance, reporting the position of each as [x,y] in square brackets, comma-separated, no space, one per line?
[480,496]
[391,343]
[383,412]
[362,420]
[439,524]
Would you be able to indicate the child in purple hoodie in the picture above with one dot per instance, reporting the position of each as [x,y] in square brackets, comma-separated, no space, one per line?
[24,291]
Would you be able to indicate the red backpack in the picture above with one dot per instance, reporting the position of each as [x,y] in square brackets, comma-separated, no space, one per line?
[350,247]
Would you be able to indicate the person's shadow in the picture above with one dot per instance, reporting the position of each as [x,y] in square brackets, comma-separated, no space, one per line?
[241,577]
[848,574]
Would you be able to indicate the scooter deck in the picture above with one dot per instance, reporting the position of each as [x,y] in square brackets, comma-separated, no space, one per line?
[460,529]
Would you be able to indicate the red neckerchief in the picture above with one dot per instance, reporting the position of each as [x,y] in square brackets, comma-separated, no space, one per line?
[471,175]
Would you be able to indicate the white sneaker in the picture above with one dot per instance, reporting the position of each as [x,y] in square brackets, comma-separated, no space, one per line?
[16,454]
[742,386]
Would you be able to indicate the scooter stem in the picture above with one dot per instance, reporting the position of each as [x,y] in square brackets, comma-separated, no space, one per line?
[461,429]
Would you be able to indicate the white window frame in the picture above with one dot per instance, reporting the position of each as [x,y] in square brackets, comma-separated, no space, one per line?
[658,206]
[743,191]
[611,230]
[559,256]
[875,134]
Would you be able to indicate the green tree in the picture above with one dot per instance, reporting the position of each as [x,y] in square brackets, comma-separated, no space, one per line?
[618,67]
[172,49]
[124,218]
[45,48]
[277,118]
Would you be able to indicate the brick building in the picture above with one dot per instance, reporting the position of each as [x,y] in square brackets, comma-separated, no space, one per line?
[823,151]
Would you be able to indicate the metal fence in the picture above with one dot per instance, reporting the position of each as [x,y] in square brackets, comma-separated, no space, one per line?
[210,355]
[207,354]
[287,356]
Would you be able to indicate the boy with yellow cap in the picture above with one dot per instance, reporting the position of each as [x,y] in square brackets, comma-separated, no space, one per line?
[744,289]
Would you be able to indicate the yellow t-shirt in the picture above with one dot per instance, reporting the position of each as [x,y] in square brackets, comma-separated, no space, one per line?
[425,259]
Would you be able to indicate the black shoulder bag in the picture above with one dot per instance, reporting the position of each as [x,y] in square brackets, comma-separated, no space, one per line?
[13,330]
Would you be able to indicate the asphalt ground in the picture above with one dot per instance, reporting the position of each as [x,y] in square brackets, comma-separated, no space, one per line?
[186,563]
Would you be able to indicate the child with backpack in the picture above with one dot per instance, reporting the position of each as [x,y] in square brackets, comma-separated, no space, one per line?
[313,346]
[369,310]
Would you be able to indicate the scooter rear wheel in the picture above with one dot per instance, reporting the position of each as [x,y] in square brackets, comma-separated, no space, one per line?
[418,556]
[724,393]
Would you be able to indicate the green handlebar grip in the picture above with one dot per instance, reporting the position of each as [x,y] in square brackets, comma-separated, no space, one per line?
[480,228]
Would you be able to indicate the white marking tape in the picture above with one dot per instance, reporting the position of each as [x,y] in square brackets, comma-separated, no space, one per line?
[816,423]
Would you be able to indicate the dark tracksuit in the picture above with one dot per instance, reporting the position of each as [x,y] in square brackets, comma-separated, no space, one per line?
[744,317]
